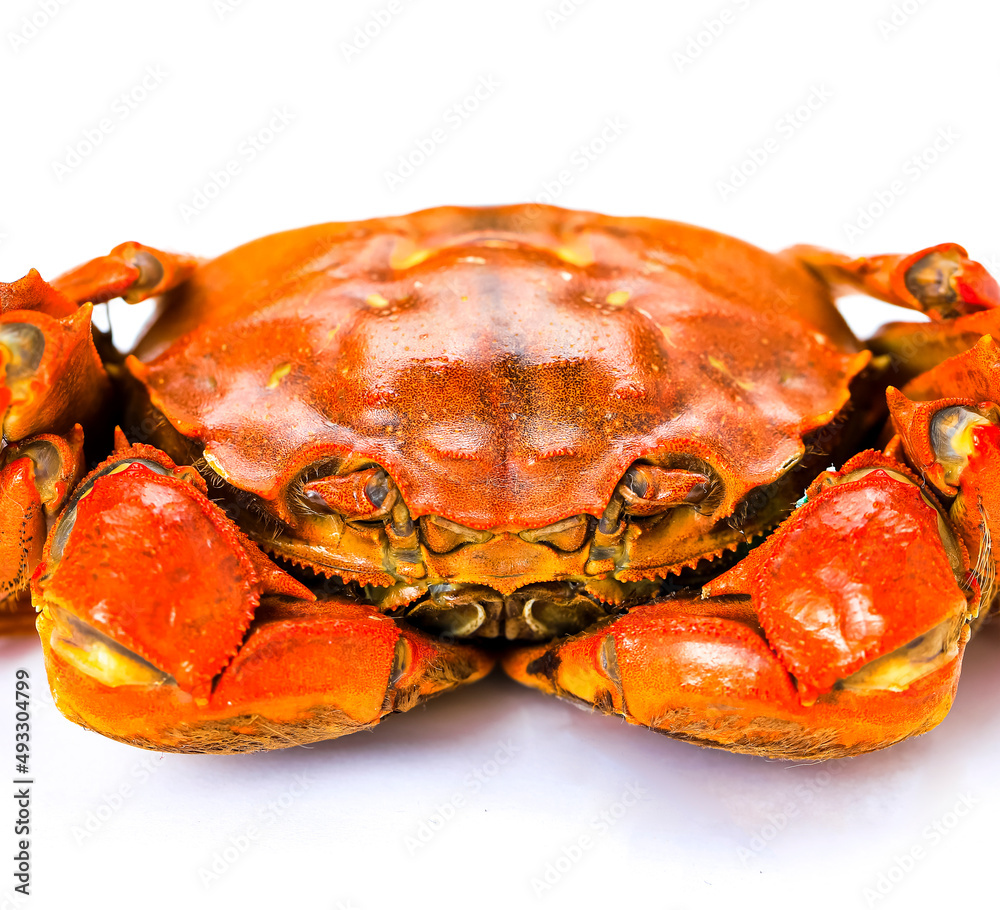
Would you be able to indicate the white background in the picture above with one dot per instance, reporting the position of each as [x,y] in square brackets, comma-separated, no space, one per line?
[713,829]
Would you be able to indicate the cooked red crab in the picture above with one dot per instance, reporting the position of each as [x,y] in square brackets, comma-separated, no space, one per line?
[360,461]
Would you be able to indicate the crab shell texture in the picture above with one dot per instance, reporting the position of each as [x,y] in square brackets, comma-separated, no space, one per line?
[504,368]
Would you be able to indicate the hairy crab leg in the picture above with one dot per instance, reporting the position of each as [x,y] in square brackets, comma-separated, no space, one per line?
[193,640]
[955,445]
[51,381]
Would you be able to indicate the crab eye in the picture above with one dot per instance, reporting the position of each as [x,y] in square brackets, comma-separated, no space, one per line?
[364,495]
[648,489]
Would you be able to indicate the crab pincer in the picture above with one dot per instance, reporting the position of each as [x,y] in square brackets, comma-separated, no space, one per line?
[841,633]
[221,651]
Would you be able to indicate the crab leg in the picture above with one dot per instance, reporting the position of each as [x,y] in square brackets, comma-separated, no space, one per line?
[193,640]
[131,271]
[51,381]
[959,295]
[52,384]
[36,476]
[51,376]
[955,445]
[940,281]
[842,633]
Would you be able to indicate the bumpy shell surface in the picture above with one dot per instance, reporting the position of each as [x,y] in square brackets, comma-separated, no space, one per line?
[505,365]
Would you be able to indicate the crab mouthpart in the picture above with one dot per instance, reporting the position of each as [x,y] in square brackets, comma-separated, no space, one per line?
[534,612]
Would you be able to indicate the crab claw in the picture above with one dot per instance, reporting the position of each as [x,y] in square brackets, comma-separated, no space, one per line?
[841,633]
[51,375]
[677,669]
[193,640]
[864,568]
[135,514]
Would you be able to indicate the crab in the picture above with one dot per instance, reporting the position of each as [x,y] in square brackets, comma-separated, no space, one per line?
[644,466]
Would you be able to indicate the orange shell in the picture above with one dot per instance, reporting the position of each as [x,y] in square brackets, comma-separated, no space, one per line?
[505,365]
